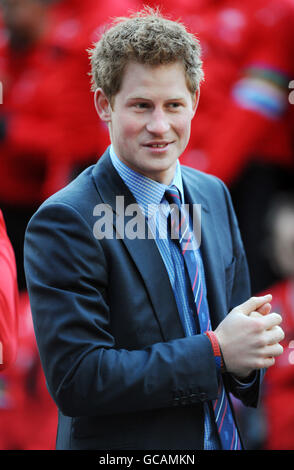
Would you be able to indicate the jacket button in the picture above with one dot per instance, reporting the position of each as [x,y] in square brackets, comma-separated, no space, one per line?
[193,397]
[184,400]
[203,396]
[176,401]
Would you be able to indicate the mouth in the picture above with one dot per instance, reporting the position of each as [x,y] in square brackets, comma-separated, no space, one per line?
[157,145]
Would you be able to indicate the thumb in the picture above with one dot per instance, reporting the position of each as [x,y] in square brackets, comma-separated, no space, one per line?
[253,304]
[265,309]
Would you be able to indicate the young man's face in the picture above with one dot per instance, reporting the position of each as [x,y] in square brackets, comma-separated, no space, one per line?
[150,119]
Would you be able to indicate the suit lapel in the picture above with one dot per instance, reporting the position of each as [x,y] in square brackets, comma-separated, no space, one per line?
[144,252]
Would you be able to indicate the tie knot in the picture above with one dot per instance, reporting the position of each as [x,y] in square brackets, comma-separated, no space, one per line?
[173,196]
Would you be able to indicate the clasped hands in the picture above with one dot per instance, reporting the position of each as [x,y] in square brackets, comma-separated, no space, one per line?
[249,336]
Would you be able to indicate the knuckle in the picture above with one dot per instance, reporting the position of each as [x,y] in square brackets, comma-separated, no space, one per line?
[276,335]
[279,318]
[258,324]
[260,342]
[281,334]
[280,349]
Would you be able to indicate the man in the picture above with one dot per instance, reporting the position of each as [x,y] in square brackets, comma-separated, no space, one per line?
[8,300]
[121,337]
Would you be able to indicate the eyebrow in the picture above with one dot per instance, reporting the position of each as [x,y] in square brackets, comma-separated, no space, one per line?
[136,98]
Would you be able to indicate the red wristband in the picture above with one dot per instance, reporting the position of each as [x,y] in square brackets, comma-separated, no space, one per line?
[216,349]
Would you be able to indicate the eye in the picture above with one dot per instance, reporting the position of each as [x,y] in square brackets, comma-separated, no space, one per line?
[174,105]
[141,105]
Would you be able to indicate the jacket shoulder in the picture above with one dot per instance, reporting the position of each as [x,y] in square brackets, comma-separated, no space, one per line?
[80,196]
[79,189]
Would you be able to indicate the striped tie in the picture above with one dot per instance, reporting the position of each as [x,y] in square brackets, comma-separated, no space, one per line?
[180,232]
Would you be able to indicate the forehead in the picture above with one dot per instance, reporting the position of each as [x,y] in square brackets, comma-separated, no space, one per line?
[140,80]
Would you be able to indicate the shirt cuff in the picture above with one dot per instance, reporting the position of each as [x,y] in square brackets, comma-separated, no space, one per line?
[246,381]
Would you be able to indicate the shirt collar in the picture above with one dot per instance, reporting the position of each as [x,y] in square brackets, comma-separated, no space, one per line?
[147,192]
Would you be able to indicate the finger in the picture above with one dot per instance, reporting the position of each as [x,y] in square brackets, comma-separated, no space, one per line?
[275,335]
[273,350]
[253,304]
[265,309]
[272,319]
[268,362]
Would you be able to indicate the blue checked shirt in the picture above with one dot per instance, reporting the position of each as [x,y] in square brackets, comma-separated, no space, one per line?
[149,194]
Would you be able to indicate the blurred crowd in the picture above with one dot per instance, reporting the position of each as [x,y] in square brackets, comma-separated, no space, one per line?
[243,133]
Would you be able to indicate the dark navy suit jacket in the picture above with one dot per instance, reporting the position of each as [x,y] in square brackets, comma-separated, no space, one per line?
[107,326]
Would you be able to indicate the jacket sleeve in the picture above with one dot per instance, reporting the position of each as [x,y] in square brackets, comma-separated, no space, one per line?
[87,374]
[8,300]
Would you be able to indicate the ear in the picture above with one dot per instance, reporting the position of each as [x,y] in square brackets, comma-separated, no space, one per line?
[196,98]
[102,105]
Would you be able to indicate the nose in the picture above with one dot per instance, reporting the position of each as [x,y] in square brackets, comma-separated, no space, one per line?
[158,122]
